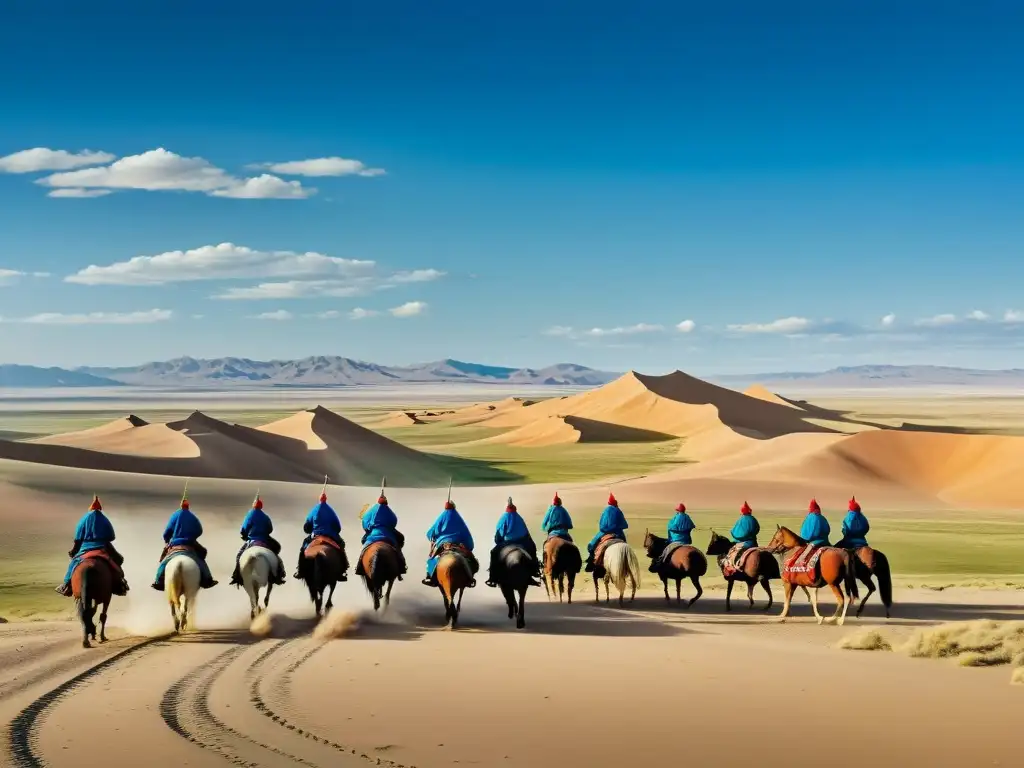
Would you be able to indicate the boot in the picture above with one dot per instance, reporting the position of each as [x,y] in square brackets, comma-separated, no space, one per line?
[158,585]
[279,577]
[64,589]
[429,581]
[236,576]
[590,563]
[298,568]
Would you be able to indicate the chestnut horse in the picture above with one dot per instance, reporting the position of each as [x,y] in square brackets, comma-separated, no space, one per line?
[835,567]
[870,562]
[453,574]
[562,560]
[380,567]
[92,585]
[758,567]
[684,562]
[324,565]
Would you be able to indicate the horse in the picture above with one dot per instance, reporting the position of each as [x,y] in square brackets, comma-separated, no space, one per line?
[619,562]
[181,582]
[92,584]
[325,565]
[685,561]
[380,566]
[870,562]
[562,560]
[759,566]
[515,576]
[834,567]
[257,565]
[453,574]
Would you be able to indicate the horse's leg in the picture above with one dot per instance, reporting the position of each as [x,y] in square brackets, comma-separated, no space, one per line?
[572,585]
[606,590]
[318,601]
[174,615]
[447,607]
[597,591]
[387,595]
[750,593]
[840,615]
[93,605]
[330,596]
[768,589]
[266,596]
[83,617]
[664,583]
[787,594]
[813,597]
[103,621]
[632,586]
[561,588]
[458,605]
[521,621]
[696,585]
[679,590]
[868,582]
[510,600]
[548,584]
[728,595]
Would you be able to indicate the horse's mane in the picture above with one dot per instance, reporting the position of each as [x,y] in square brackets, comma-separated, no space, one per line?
[657,545]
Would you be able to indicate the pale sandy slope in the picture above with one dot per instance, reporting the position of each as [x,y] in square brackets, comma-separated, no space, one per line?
[130,436]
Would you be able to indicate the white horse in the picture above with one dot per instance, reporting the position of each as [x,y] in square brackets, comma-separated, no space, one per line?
[620,563]
[181,582]
[257,566]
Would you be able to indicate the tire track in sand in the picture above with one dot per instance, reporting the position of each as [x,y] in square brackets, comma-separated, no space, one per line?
[22,733]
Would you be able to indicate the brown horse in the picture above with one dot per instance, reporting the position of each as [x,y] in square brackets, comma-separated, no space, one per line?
[380,566]
[834,567]
[562,560]
[759,566]
[870,562]
[325,565]
[684,562]
[453,574]
[92,585]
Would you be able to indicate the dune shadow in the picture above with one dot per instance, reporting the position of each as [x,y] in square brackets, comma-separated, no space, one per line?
[915,613]
[476,471]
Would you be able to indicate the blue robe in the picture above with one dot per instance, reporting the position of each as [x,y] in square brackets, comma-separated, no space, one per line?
[379,524]
[511,529]
[449,528]
[257,526]
[557,522]
[184,528]
[612,521]
[855,529]
[815,529]
[94,531]
[680,527]
[321,521]
[745,531]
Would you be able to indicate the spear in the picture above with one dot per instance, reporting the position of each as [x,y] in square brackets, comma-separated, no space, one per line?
[449,488]
[184,493]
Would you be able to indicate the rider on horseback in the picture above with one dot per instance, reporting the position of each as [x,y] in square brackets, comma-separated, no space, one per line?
[679,529]
[815,529]
[612,522]
[322,520]
[855,528]
[556,523]
[745,530]
[256,529]
[511,530]
[380,524]
[448,528]
[184,530]
[94,532]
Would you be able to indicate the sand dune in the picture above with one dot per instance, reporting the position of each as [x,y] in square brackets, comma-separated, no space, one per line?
[398,419]
[558,430]
[485,412]
[761,393]
[130,436]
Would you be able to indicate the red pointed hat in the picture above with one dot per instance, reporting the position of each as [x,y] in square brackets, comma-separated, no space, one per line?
[745,509]
[510,507]
[556,501]
[95,506]
[258,504]
[611,500]
[813,507]
[854,505]
[323,497]
[449,504]
[680,507]
[184,503]
[382,500]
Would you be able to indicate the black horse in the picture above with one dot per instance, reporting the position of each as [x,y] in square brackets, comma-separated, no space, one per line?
[514,577]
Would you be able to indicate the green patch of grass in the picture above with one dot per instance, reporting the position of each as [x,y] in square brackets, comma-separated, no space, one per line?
[439,433]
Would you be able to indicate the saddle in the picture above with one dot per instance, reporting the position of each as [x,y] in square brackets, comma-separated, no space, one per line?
[666,553]
[460,549]
[736,558]
[102,554]
[801,567]
[602,544]
[319,542]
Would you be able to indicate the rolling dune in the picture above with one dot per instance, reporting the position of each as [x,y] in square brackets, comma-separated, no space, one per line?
[130,436]
[559,430]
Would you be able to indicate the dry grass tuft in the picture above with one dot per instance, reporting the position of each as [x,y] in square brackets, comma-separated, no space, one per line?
[982,643]
[865,640]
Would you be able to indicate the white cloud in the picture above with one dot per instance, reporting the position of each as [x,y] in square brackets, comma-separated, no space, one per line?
[559,330]
[43,159]
[226,261]
[415,276]
[161,170]
[785,325]
[281,314]
[77,192]
[300,289]
[627,330]
[936,321]
[687,326]
[100,318]
[1013,316]
[888,320]
[8,276]
[331,314]
[977,314]
[322,166]
[361,314]
[409,309]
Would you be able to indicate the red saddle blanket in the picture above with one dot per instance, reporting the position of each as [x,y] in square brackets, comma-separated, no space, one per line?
[321,541]
[100,554]
[602,544]
[736,558]
[801,566]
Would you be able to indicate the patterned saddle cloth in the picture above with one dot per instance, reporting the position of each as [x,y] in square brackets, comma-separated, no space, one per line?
[736,558]
[603,543]
[460,549]
[102,554]
[180,549]
[801,567]
[319,542]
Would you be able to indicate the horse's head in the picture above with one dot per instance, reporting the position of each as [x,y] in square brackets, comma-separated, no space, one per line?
[782,540]
[653,543]
[718,545]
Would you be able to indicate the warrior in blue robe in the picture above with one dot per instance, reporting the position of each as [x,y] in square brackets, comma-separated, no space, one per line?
[557,521]
[322,520]
[184,529]
[380,524]
[815,529]
[746,528]
[612,522]
[855,528]
[94,531]
[448,528]
[511,529]
[680,528]
[256,528]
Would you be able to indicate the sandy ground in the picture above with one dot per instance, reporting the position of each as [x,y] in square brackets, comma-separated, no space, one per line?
[585,685]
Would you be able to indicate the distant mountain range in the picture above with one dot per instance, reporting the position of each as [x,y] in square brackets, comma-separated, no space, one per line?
[868,376]
[336,371]
[308,372]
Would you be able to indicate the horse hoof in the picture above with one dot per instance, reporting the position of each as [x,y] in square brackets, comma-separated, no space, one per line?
[820,622]
[85,644]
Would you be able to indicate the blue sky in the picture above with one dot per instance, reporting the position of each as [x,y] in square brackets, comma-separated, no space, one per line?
[798,186]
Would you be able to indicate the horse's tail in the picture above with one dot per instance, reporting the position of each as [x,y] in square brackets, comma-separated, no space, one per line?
[83,602]
[884,576]
[634,566]
[851,574]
